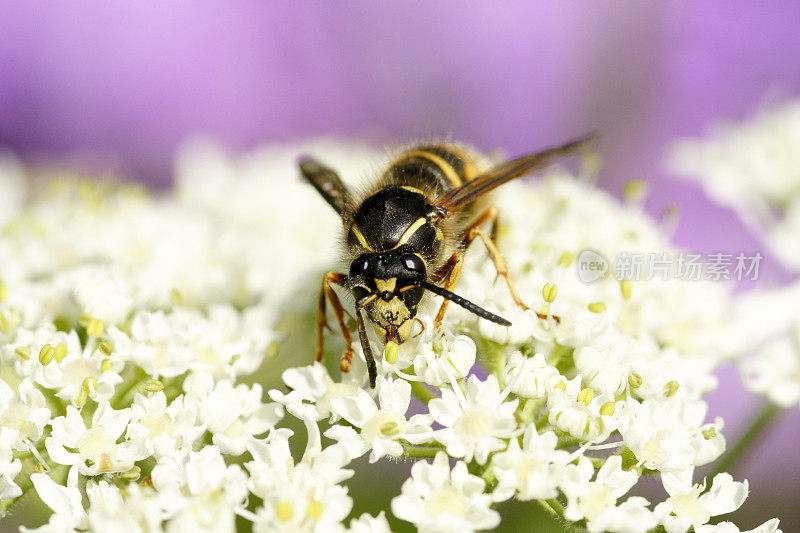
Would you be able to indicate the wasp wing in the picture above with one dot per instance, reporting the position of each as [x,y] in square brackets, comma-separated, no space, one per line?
[327,183]
[506,171]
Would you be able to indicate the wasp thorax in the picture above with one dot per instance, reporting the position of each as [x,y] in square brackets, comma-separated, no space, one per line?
[387,286]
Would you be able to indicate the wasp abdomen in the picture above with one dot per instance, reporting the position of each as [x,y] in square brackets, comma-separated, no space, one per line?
[443,167]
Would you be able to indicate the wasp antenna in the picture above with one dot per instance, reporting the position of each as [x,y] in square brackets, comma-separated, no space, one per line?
[466,304]
[362,336]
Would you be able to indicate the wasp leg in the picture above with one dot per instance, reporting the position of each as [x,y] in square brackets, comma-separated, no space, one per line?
[453,268]
[491,247]
[327,292]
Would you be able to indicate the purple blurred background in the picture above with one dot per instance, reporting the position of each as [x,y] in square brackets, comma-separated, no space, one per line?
[120,84]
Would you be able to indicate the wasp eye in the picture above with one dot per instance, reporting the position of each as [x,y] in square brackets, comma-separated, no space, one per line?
[359,266]
[413,262]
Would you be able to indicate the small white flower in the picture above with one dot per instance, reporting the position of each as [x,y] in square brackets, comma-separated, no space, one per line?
[140,509]
[580,414]
[689,506]
[24,416]
[774,371]
[200,492]
[234,414]
[101,292]
[754,168]
[533,471]
[530,377]
[476,423]
[596,501]
[96,448]
[166,430]
[311,391]
[380,428]
[9,469]
[441,359]
[369,524]
[301,496]
[669,435]
[770,526]
[79,367]
[436,499]
[65,501]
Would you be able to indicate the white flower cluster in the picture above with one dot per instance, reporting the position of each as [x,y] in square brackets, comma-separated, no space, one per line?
[767,332]
[754,168]
[130,327]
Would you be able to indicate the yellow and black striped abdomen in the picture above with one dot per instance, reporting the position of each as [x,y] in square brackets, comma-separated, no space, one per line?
[438,166]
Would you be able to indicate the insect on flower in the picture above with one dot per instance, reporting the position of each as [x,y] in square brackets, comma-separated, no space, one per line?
[409,232]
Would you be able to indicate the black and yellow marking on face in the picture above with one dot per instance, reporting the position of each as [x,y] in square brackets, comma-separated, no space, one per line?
[360,237]
[386,285]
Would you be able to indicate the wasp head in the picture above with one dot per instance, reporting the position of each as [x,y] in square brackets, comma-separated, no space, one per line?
[388,286]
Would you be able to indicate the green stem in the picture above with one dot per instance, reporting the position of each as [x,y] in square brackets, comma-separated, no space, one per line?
[748,438]
[556,512]
[120,398]
[420,451]
[556,506]
[421,392]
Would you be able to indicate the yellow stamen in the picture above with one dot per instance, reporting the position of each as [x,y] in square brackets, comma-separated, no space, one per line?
[566,259]
[586,396]
[106,347]
[670,388]
[549,292]
[391,352]
[23,352]
[60,352]
[597,307]
[46,354]
[608,408]
[625,288]
[153,385]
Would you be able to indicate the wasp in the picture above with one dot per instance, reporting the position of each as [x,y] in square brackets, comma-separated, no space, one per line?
[409,232]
